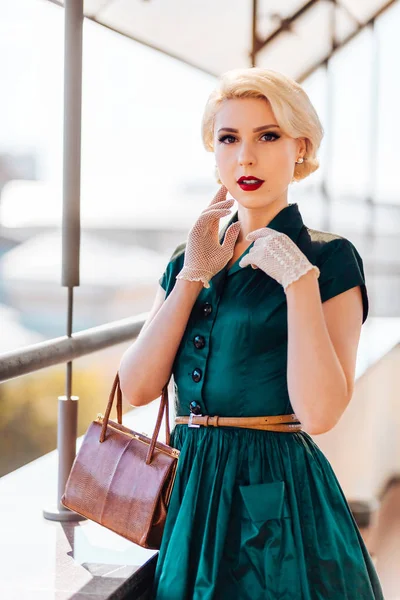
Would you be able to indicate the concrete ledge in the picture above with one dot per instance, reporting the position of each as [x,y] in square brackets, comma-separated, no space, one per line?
[43,560]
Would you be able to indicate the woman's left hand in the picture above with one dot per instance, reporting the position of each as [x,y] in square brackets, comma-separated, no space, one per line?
[277,255]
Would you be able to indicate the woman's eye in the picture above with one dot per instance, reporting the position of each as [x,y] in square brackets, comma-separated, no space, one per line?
[229,139]
[274,136]
[225,137]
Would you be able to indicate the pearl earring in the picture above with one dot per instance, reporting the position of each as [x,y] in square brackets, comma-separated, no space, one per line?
[298,162]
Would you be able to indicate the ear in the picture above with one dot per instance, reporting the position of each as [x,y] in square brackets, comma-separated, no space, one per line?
[301,146]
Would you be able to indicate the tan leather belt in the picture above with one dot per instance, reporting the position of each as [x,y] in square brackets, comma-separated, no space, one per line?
[271,423]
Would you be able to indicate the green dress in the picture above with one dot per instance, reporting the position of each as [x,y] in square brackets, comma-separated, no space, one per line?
[256,514]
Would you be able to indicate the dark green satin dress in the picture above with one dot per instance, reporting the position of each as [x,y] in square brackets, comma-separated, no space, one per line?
[256,514]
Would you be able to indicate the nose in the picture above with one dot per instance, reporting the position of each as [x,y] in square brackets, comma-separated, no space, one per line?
[246,155]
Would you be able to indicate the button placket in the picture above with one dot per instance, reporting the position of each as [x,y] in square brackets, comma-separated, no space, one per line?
[205,317]
[191,364]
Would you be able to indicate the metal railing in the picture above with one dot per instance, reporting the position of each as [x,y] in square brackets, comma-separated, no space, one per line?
[64,350]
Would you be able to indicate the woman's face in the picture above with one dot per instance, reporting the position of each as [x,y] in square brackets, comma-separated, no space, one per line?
[248,141]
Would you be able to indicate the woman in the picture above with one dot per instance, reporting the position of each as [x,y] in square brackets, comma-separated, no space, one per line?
[260,320]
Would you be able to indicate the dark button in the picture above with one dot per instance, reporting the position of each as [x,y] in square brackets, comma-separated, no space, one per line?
[199,341]
[195,408]
[196,375]
[207,309]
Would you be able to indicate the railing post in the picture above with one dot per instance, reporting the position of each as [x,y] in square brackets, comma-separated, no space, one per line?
[71,228]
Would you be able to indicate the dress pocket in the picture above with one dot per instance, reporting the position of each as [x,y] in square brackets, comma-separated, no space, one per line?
[267,564]
[264,501]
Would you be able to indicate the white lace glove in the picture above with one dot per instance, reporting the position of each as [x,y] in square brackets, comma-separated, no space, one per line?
[277,255]
[204,255]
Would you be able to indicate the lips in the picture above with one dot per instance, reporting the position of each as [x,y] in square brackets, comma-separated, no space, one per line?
[250,178]
[249,183]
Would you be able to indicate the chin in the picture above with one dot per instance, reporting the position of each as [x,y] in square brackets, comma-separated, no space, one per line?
[252,199]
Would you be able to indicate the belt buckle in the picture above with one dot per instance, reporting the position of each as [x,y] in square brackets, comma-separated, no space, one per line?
[190,424]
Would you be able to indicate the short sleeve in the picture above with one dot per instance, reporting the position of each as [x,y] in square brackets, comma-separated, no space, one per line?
[175,263]
[341,268]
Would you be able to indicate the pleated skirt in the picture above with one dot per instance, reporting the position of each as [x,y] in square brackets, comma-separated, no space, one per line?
[259,515]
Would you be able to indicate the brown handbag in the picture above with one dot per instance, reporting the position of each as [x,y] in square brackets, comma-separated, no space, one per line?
[123,479]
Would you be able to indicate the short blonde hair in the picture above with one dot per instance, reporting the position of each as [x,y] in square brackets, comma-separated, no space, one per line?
[290,104]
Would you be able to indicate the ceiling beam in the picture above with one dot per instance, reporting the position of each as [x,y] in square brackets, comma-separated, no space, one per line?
[285,25]
[348,39]
[258,44]
[143,42]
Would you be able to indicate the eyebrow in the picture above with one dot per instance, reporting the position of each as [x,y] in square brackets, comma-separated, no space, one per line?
[271,125]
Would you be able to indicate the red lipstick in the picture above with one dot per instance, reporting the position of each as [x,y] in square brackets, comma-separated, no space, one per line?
[249,183]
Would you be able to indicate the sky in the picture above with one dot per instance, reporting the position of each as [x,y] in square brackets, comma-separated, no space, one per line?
[142,153]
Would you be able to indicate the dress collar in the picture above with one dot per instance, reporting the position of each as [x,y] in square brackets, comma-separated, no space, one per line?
[288,220]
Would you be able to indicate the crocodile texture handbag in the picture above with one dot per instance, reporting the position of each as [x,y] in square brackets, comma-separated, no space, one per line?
[123,479]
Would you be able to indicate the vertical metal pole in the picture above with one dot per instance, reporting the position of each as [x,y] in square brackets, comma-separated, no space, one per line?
[67,421]
[254,39]
[373,158]
[327,173]
[68,405]
[325,191]
[373,145]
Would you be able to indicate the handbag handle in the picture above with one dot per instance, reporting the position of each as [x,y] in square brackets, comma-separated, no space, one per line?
[163,408]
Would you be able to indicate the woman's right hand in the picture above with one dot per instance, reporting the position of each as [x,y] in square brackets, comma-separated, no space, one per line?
[204,255]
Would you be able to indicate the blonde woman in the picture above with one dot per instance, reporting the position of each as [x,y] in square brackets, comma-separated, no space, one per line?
[259,324]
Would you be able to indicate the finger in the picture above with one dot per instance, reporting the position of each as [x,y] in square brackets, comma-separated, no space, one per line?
[231,235]
[213,215]
[220,195]
[264,232]
[211,220]
[248,260]
[245,261]
[228,203]
[258,233]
